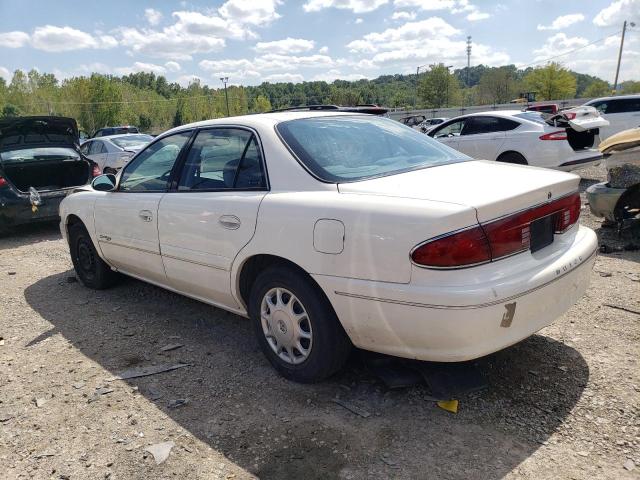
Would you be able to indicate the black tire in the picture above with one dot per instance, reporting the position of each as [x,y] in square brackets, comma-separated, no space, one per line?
[330,345]
[512,157]
[92,271]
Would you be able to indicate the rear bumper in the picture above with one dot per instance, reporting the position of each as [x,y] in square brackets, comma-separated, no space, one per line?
[602,200]
[588,159]
[16,209]
[457,323]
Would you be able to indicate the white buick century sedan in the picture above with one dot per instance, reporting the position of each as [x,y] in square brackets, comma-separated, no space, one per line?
[331,230]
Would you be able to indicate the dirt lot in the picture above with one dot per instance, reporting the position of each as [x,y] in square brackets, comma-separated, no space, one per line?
[563,404]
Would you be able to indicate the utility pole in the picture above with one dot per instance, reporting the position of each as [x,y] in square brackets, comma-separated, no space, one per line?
[624,30]
[224,80]
[468,57]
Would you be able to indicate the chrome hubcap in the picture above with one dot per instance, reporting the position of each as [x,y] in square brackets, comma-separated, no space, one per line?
[286,325]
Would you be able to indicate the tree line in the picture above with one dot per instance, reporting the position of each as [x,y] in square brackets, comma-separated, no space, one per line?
[154,104]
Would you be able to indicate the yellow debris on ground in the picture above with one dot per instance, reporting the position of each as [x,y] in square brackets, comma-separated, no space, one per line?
[449,405]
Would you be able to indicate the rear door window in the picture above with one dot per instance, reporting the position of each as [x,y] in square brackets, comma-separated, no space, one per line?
[452,129]
[96,147]
[221,159]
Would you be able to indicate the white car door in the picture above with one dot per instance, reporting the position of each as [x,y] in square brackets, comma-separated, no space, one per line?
[482,136]
[622,114]
[212,214]
[126,220]
[449,133]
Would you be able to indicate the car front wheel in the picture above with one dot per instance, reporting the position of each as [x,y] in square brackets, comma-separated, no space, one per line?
[296,326]
[92,271]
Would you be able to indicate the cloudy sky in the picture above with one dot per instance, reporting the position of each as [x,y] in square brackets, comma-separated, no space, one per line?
[252,41]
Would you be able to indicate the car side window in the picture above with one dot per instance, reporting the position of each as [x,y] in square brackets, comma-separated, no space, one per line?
[627,105]
[221,159]
[452,129]
[151,168]
[84,148]
[95,147]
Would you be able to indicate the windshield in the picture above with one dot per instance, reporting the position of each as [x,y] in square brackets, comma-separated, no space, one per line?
[38,154]
[352,148]
[132,141]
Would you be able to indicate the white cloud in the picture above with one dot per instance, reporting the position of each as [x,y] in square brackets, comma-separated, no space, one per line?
[558,44]
[563,21]
[334,74]
[141,67]
[288,45]
[6,74]
[477,15]
[431,40]
[186,80]
[356,6]
[172,66]
[153,16]
[284,77]
[359,21]
[324,50]
[14,39]
[403,16]
[255,12]
[426,5]
[617,12]
[50,38]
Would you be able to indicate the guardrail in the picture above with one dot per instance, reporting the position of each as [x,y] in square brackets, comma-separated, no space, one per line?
[450,112]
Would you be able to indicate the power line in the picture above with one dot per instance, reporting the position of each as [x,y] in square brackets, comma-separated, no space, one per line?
[570,51]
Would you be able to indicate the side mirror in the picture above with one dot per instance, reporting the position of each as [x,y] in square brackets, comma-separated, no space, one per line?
[104,183]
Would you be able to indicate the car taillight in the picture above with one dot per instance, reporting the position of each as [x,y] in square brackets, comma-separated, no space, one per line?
[570,115]
[497,239]
[96,171]
[560,135]
[462,249]
[3,182]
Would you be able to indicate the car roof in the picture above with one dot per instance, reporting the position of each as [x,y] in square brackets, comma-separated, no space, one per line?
[262,119]
[617,97]
[119,135]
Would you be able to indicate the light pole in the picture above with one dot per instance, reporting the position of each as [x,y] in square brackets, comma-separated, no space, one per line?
[624,30]
[224,80]
[415,98]
[447,101]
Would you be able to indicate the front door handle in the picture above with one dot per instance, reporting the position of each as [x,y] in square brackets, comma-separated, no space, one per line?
[230,222]
[146,215]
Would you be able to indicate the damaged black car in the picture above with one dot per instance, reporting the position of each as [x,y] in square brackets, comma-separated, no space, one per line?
[40,163]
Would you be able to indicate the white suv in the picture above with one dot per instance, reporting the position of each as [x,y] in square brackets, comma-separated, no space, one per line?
[623,113]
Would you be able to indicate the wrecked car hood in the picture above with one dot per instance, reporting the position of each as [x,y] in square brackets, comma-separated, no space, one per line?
[579,118]
[32,132]
[621,141]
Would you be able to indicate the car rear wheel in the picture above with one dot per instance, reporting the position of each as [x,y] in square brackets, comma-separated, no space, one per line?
[512,157]
[92,271]
[296,327]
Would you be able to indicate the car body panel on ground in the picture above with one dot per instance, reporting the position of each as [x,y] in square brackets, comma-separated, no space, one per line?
[318,193]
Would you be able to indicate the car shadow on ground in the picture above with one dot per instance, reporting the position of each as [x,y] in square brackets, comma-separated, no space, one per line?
[20,235]
[238,405]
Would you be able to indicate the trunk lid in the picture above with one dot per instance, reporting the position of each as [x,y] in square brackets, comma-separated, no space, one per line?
[32,132]
[493,189]
[579,119]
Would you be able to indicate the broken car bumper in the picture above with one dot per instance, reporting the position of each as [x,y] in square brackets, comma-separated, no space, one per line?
[602,199]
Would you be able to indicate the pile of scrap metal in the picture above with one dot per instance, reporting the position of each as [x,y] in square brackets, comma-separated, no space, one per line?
[618,199]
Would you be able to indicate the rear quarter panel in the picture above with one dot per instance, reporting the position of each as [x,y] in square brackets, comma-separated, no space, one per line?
[379,232]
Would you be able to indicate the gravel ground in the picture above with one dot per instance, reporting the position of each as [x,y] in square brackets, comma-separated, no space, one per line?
[563,404]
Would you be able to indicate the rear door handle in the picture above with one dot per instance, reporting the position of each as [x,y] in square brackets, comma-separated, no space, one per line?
[145,215]
[230,222]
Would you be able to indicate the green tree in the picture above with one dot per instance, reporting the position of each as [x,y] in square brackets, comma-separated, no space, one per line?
[261,104]
[630,86]
[597,88]
[439,88]
[497,85]
[10,111]
[551,82]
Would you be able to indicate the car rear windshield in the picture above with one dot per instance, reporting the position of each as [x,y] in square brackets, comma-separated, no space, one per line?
[132,141]
[537,117]
[38,154]
[351,148]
